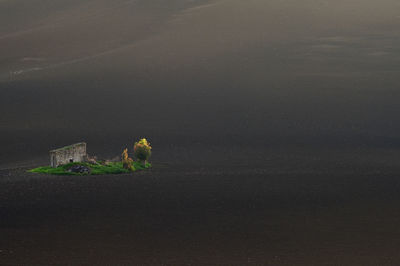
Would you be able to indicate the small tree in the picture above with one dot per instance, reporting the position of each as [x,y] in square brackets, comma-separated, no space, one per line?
[142,151]
[127,162]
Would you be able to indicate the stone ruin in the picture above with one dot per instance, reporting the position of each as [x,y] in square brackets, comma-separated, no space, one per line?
[69,154]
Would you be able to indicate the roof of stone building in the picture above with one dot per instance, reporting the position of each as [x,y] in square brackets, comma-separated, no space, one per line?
[68,147]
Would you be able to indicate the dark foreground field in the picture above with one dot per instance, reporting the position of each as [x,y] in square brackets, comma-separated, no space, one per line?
[297,208]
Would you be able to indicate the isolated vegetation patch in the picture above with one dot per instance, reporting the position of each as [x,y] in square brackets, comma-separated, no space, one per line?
[93,169]
[92,166]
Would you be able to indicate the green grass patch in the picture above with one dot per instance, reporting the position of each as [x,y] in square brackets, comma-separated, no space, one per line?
[95,169]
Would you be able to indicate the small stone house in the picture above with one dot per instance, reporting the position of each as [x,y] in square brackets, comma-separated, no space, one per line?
[73,153]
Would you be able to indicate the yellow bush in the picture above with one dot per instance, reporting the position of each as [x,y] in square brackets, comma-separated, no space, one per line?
[127,162]
[142,150]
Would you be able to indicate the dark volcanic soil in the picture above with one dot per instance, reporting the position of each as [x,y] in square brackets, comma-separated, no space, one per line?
[274,124]
[297,209]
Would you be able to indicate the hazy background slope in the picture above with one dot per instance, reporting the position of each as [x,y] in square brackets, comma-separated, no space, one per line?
[192,75]
[274,126]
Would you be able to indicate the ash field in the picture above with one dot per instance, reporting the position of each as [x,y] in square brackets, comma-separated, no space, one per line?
[274,127]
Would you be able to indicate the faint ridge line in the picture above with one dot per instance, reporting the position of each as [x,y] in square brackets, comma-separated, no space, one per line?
[65,63]
[190,9]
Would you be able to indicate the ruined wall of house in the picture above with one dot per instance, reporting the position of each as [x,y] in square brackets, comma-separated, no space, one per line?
[72,153]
